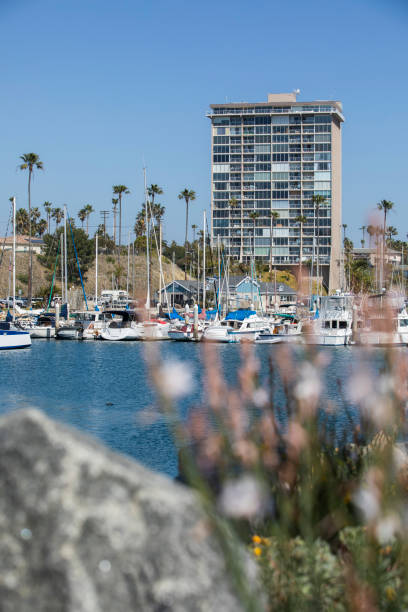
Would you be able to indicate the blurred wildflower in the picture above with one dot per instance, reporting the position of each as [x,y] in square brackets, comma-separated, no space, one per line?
[367,497]
[175,379]
[256,539]
[243,497]
[257,551]
[308,387]
[387,528]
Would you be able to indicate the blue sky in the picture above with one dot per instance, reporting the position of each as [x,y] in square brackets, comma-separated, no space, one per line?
[98,88]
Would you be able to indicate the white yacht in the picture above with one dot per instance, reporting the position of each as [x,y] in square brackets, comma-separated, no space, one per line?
[122,325]
[333,324]
[237,326]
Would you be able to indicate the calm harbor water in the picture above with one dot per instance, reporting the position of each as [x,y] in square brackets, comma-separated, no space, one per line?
[102,388]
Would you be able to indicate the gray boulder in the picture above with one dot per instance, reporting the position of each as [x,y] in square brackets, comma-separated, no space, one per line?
[83,529]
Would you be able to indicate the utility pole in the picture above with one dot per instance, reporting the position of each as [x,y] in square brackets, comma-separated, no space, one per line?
[104,214]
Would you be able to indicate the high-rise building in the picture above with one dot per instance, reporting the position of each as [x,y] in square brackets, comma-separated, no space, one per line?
[276,157]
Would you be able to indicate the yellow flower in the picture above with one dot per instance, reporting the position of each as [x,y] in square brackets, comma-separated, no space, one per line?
[257,551]
[390,593]
[256,539]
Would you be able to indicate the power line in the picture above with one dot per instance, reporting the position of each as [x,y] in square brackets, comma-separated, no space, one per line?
[104,214]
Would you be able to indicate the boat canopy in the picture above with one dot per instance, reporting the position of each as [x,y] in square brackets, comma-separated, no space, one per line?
[239,315]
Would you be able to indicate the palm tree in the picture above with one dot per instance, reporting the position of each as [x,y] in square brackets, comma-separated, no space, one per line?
[31,161]
[390,233]
[152,191]
[188,195]
[254,215]
[57,215]
[82,216]
[22,224]
[41,227]
[88,211]
[115,211]
[385,206]
[120,190]
[48,209]
[301,219]
[371,233]
[363,229]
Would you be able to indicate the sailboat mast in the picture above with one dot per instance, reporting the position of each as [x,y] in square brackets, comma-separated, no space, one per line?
[62,267]
[147,246]
[204,245]
[65,254]
[128,267]
[219,275]
[14,258]
[160,261]
[96,269]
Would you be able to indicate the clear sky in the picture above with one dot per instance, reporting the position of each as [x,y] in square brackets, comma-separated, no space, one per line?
[98,88]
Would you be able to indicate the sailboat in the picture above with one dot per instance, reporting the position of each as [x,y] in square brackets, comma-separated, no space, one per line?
[12,337]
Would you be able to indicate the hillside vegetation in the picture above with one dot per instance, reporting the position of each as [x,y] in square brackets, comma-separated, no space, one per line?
[107,266]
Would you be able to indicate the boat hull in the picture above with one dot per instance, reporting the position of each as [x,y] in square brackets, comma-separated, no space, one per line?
[42,332]
[328,340]
[120,334]
[383,339]
[68,333]
[11,339]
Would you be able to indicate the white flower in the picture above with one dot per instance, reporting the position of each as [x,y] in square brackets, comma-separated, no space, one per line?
[367,502]
[175,379]
[242,498]
[309,385]
[386,528]
[260,397]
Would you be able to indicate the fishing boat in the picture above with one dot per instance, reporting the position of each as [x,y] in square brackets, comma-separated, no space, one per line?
[235,327]
[122,325]
[332,324]
[288,329]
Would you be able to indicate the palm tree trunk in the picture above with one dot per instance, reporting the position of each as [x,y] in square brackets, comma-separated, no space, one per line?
[87,224]
[120,220]
[30,253]
[185,243]
[241,247]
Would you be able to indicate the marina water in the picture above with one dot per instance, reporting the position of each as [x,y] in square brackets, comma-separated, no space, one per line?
[104,389]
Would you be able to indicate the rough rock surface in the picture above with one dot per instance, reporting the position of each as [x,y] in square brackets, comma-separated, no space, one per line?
[85,530]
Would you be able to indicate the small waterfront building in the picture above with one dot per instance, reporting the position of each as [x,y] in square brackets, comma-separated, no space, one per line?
[179,292]
[22,244]
[244,291]
[373,256]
